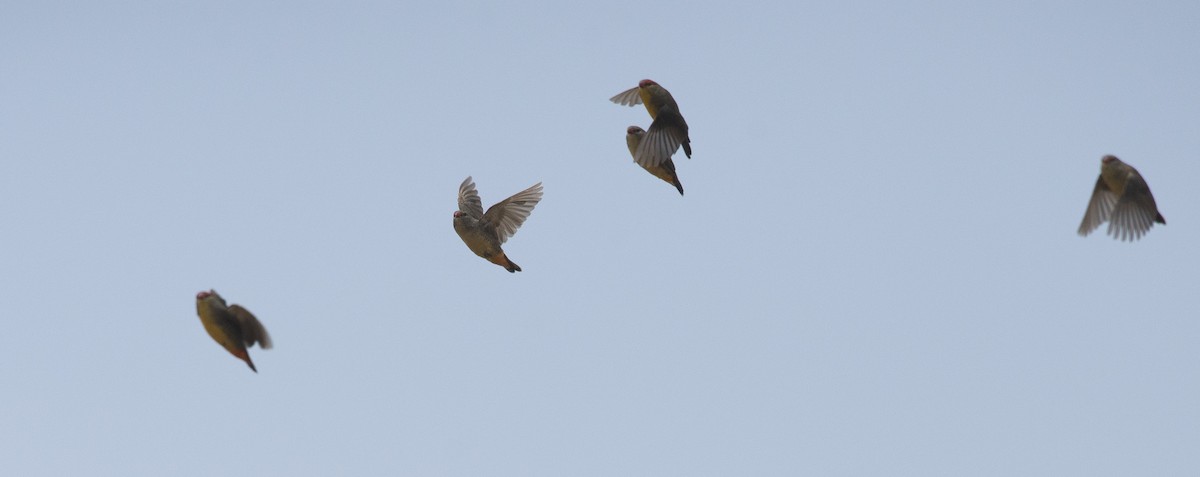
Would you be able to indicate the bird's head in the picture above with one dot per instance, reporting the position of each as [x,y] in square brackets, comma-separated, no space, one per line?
[458,213]
[209,298]
[644,83]
[634,130]
[1109,159]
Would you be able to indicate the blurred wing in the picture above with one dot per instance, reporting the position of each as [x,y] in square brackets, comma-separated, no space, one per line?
[468,199]
[1138,191]
[1099,208]
[508,215]
[1135,212]
[252,330]
[629,97]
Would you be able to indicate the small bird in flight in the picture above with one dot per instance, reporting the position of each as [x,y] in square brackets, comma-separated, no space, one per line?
[233,327]
[1123,199]
[664,170]
[485,232]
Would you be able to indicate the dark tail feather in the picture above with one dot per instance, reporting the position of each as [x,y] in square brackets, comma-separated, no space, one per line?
[687,148]
[679,186]
[1160,219]
[243,355]
[512,267]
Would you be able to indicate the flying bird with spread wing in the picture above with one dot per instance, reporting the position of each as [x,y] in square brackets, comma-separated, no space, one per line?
[233,327]
[485,232]
[664,170]
[1123,199]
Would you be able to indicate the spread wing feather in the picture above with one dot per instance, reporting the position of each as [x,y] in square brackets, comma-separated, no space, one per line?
[508,215]
[629,97]
[468,199]
[1099,208]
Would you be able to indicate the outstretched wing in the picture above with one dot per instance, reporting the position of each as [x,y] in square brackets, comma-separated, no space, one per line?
[629,97]
[508,215]
[1135,212]
[666,134]
[1099,209]
[468,199]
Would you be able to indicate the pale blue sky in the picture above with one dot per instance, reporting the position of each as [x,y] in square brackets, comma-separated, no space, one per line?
[874,271]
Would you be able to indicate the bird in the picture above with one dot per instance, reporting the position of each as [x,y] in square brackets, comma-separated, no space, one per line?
[1123,199]
[484,233]
[667,132]
[664,171]
[233,327]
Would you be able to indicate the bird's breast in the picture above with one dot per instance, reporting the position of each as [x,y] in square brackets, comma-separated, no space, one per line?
[1115,179]
[477,237]
[651,107]
[212,325]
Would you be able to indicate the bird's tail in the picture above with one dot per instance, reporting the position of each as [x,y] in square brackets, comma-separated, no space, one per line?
[245,356]
[502,260]
[511,266]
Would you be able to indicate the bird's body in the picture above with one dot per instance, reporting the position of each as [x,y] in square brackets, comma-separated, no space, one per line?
[483,242]
[667,132]
[1123,199]
[232,327]
[648,100]
[664,170]
[484,233]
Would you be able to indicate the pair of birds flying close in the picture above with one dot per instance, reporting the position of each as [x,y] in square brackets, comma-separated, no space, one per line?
[652,149]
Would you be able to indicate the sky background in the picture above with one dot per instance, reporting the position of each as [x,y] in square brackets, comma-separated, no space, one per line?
[874,270]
